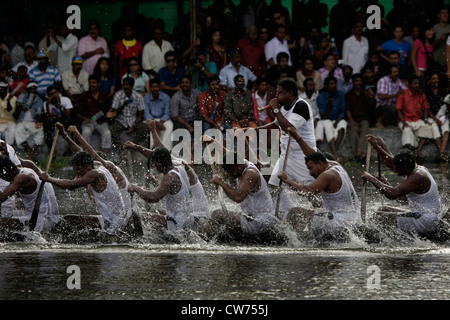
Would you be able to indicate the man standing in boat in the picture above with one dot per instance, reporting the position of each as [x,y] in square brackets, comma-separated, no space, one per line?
[424,201]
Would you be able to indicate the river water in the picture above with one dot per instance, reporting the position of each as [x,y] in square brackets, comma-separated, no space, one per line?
[151,269]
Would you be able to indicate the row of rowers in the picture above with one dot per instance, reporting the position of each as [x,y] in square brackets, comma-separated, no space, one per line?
[308,171]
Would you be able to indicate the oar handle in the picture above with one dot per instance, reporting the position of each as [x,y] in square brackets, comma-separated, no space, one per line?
[277,205]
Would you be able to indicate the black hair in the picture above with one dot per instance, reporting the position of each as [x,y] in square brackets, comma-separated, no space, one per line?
[155,80]
[404,160]
[282,55]
[260,80]
[316,157]
[169,54]
[237,159]
[289,84]
[390,68]
[161,156]
[109,73]
[186,76]
[94,77]
[329,79]
[356,76]
[6,165]
[306,81]
[129,80]
[237,77]
[50,88]
[82,159]
[215,77]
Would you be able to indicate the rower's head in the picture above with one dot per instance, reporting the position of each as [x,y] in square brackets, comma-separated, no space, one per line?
[8,170]
[161,159]
[316,163]
[233,169]
[82,162]
[404,163]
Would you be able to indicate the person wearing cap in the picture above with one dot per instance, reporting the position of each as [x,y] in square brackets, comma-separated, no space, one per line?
[92,47]
[29,122]
[66,44]
[44,74]
[7,109]
[76,80]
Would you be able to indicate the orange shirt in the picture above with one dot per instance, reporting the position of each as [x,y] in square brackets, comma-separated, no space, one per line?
[412,105]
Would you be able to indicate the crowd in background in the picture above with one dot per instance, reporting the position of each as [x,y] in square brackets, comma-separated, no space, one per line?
[353,77]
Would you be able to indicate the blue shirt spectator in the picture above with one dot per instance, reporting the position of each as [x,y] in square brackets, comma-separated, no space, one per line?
[234,68]
[331,102]
[158,108]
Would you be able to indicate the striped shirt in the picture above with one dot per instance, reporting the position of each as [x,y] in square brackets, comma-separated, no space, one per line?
[386,86]
[45,79]
[129,114]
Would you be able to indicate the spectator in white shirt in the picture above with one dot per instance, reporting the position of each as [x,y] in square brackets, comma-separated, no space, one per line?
[153,53]
[355,49]
[276,45]
[66,44]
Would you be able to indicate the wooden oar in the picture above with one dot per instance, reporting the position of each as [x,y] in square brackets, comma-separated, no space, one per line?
[219,188]
[277,206]
[363,200]
[379,175]
[37,204]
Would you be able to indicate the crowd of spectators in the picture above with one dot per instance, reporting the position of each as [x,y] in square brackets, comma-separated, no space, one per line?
[353,77]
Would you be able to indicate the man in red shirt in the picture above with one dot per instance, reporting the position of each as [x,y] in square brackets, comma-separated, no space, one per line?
[126,48]
[412,110]
[210,104]
[252,52]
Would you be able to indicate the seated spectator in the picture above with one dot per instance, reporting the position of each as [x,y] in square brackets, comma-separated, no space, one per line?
[376,64]
[252,52]
[211,105]
[282,66]
[141,79]
[104,71]
[157,107]
[346,84]
[331,103]
[7,109]
[308,71]
[127,112]
[325,47]
[201,69]
[310,95]
[261,98]
[404,71]
[183,108]
[75,81]
[359,109]
[239,110]
[45,75]
[412,110]
[92,47]
[235,68]
[389,88]
[91,110]
[170,75]
[330,68]
[216,50]
[57,108]
[397,43]
[30,59]
[4,75]
[20,81]
[154,51]
[369,80]
[29,122]
[435,95]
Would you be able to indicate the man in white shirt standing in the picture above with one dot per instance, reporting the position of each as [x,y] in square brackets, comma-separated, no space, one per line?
[92,47]
[355,49]
[153,53]
[276,45]
[67,44]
